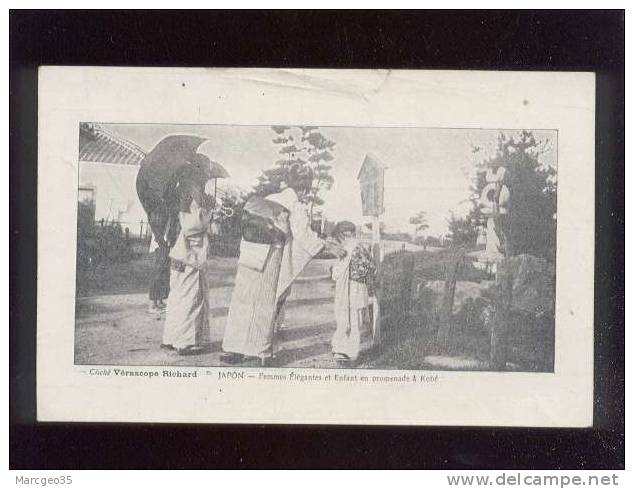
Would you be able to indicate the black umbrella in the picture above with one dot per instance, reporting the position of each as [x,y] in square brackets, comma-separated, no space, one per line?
[212,170]
[216,170]
[159,168]
[158,176]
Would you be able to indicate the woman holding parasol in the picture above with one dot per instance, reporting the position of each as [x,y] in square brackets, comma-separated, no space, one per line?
[186,327]
[156,184]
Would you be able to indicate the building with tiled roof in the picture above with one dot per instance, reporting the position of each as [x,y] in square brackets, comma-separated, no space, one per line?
[99,145]
[108,166]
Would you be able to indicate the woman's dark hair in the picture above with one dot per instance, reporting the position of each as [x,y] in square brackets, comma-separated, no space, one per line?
[191,186]
[343,227]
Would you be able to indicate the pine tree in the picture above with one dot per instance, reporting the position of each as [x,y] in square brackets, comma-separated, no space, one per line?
[304,166]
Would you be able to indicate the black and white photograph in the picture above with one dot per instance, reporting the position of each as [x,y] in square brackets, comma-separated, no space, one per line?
[408,248]
[392,245]
[317,239]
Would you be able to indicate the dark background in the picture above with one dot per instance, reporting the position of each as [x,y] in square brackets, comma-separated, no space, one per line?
[483,40]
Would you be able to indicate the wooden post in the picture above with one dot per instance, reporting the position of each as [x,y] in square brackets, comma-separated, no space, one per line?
[376,240]
[407,273]
[499,329]
[371,179]
[376,252]
[446,312]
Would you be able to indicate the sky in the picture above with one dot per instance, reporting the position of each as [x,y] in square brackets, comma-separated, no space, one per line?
[427,169]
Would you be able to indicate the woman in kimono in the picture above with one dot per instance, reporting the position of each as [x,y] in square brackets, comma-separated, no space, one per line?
[302,245]
[276,245]
[354,284]
[249,330]
[186,327]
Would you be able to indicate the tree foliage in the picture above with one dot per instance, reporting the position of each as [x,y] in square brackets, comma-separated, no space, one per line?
[531,227]
[419,221]
[463,231]
[230,225]
[304,166]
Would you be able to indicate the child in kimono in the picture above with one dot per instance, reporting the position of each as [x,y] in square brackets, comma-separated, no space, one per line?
[354,285]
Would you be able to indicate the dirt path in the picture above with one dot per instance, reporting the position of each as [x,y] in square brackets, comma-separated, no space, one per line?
[116,329]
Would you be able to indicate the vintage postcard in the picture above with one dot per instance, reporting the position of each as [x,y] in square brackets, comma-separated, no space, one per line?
[315,246]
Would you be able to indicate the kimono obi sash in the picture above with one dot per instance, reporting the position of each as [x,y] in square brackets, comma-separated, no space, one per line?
[193,242]
[254,255]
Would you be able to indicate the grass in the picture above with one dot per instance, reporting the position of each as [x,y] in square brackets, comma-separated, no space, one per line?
[410,336]
[105,278]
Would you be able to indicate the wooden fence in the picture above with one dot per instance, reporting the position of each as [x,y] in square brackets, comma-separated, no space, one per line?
[403,273]
[395,287]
